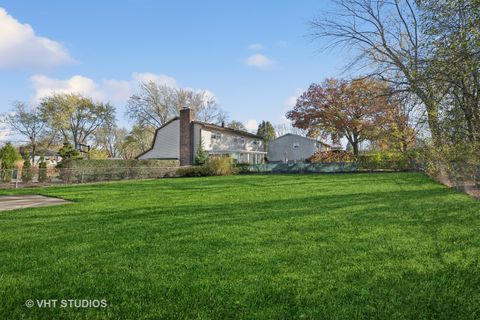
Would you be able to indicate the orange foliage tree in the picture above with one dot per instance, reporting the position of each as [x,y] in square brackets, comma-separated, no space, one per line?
[357,110]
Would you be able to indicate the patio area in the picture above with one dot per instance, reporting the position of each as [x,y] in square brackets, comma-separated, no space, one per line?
[28,201]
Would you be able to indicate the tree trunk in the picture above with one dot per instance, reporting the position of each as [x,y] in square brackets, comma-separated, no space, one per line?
[433,124]
[33,153]
[355,148]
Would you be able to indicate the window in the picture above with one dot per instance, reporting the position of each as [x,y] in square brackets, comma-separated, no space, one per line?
[296,145]
[216,135]
[239,140]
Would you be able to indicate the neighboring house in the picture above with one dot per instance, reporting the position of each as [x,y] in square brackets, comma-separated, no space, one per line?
[50,157]
[180,138]
[294,148]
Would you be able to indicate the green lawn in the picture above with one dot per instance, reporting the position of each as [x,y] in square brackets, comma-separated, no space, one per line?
[346,246]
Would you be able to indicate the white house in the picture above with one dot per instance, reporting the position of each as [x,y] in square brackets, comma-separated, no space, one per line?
[180,138]
[291,147]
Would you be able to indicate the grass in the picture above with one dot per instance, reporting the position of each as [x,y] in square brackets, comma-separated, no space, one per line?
[350,246]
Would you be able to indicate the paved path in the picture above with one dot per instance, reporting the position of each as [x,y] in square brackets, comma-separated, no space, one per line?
[28,201]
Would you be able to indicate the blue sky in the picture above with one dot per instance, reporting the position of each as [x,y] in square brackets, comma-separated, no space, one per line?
[104,47]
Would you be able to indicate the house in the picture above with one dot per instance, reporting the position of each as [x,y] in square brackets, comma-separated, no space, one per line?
[180,139]
[294,148]
[50,157]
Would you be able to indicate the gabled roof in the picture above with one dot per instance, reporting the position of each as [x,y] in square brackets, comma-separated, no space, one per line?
[227,129]
[307,138]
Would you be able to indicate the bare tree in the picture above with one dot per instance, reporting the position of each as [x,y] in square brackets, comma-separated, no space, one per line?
[137,141]
[27,122]
[237,125]
[155,104]
[390,44]
[284,128]
[208,110]
[111,139]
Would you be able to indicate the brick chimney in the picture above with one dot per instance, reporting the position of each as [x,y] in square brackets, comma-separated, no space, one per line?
[186,137]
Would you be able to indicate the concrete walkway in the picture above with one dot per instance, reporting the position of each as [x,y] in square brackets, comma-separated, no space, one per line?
[28,201]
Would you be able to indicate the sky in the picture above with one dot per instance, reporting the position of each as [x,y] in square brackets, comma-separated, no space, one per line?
[255,56]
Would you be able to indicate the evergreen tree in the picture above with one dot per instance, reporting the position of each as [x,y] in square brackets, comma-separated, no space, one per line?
[8,156]
[267,132]
[27,170]
[202,155]
[68,152]
[42,170]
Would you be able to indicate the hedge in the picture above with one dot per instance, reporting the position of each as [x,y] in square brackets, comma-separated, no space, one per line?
[388,160]
[72,171]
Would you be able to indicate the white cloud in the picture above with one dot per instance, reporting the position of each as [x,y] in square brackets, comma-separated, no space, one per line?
[259,61]
[113,90]
[251,125]
[45,86]
[20,47]
[291,101]
[255,46]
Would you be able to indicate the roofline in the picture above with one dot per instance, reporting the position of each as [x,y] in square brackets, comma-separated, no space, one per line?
[239,132]
[155,136]
[297,135]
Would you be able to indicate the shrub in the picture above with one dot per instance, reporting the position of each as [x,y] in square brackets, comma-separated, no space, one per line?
[8,156]
[27,171]
[331,156]
[214,166]
[202,155]
[42,170]
[388,160]
[452,162]
[68,152]
[220,165]
[113,169]
[242,167]
[97,154]
[194,171]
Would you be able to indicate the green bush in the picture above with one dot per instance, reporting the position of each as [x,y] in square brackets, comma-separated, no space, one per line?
[194,171]
[388,160]
[452,162]
[214,166]
[27,171]
[42,170]
[68,152]
[202,155]
[114,169]
[8,156]
[242,168]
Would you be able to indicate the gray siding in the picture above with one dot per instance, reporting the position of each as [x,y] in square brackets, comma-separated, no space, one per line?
[296,147]
[167,143]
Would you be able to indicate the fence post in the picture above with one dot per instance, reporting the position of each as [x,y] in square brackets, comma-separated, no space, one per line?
[16,181]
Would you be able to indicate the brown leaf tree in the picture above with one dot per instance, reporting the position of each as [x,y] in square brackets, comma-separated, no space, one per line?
[355,109]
